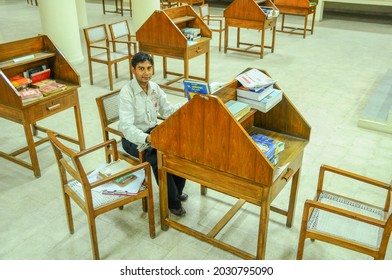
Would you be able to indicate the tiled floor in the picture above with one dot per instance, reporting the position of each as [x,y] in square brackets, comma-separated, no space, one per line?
[329,76]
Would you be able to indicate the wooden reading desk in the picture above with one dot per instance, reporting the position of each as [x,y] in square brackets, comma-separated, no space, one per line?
[204,143]
[37,51]
[161,35]
[248,14]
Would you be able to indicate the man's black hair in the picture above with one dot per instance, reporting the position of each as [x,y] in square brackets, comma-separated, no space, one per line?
[141,57]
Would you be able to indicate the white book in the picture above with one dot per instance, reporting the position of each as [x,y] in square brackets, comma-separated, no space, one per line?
[266,103]
[254,79]
[254,94]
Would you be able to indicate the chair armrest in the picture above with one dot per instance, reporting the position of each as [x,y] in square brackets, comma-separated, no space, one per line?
[131,169]
[100,47]
[111,142]
[354,176]
[349,214]
[114,131]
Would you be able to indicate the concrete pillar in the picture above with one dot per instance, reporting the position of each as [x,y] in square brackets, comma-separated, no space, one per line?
[142,10]
[59,20]
[82,13]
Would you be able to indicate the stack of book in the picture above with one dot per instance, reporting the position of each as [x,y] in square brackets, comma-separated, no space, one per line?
[28,95]
[269,147]
[258,90]
[237,108]
[52,87]
[266,103]
[191,33]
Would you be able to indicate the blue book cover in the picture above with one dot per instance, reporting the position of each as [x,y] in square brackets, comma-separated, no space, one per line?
[193,87]
[266,144]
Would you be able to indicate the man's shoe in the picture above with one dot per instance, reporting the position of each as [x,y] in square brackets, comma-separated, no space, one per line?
[182,197]
[178,211]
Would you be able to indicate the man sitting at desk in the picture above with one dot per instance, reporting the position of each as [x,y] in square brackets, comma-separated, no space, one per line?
[140,101]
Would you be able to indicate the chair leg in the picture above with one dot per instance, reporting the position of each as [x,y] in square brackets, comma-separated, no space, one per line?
[144,204]
[68,211]
[151,217]
[110,76]
[90,69]
[220,40]
[115,70]
[93,237]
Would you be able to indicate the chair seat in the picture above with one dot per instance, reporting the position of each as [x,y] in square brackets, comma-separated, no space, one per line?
[113,56]
[344,227]
[100,199]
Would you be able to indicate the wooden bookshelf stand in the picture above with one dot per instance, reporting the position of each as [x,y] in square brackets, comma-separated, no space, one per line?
[218,152]
[161,35]
[11,107]
[248,14]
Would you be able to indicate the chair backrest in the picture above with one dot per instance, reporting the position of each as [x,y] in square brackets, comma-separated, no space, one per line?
[120,29]
[95,34]
[108,108]
[204,11]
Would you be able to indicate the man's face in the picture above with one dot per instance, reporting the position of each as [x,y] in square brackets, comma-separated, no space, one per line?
[143,72]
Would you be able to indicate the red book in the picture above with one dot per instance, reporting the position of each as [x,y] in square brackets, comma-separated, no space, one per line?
[40,76]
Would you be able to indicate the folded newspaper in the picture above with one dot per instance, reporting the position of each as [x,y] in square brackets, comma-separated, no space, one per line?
[254,79]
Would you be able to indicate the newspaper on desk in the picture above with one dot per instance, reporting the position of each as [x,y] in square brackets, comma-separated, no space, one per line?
[254,79]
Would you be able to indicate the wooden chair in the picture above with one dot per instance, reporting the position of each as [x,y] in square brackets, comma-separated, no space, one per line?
[109,115]
[121,35]
[167,4]
[76,186]
[298,8]
[215,23]
[99,51]
[119,8]
[346,221]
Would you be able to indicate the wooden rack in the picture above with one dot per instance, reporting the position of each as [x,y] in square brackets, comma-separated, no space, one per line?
[161,35]
[36,51]
[248,14]
[218,152]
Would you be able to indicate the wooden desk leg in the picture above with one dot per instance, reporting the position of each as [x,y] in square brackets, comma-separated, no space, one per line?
[281,28]
[207,77]
[103,7]
[273,39]
[163,200]
[122,7]
[262,43]
[164,67]
[305,25]
[226,39]
[314,16]
[186,66]
[238,37]
[263,229]
[79,127]
[32,151]
[293,198]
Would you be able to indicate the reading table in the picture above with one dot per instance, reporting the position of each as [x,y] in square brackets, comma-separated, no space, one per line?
[15,58]
[217,152]
[161,35]
[248,14]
